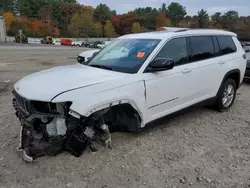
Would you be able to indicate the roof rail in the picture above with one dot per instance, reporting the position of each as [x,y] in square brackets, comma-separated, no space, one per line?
[181,30]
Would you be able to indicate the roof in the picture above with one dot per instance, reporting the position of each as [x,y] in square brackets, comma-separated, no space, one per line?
[178,32]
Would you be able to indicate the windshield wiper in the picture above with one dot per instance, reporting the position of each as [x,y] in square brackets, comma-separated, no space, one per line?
[101,66]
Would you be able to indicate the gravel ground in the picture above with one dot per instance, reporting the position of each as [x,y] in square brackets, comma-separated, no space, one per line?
[198,148]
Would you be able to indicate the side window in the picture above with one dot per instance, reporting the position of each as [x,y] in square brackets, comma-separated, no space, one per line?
[226,44]
[201,48]
[175,49]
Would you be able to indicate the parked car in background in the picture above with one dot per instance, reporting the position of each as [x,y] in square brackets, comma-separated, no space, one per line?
[56,42]
[104,44]
[247,74]
[77,43]
[100,46]
[94,44]
[86,43]
[90,44]
[83,57]
[66,42]
[131,82]
[246,46]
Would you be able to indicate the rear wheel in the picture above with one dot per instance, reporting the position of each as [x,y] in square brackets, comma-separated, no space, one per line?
[226,95]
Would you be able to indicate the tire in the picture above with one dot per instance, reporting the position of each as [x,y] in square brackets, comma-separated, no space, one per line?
[225,99]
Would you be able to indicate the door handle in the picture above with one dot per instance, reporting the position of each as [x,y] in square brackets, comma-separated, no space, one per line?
[222,62]
[186,70]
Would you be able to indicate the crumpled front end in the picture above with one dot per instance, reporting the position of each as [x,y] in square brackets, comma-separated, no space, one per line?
[48,129]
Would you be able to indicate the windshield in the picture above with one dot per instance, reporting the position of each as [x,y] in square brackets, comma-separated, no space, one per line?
[124,55]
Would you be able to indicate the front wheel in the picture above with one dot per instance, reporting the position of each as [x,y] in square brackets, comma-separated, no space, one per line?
[226,95]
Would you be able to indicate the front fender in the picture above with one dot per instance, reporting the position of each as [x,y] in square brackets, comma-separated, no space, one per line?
[85,103]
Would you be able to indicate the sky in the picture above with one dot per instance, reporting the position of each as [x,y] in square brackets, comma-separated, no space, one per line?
[192,6]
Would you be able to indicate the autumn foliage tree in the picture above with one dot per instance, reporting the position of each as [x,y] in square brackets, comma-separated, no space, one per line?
[81,24]
[98,29]
[65,15]
[162,20]
[34,25]
[109,30]
[9,18]
[136,27]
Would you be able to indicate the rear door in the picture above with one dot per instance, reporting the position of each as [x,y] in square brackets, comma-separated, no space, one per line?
[206,65]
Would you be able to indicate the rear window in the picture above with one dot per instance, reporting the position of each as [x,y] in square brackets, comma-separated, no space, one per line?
[201,48]
[226,44]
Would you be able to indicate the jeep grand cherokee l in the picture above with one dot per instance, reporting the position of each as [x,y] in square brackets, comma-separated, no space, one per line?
[136,79]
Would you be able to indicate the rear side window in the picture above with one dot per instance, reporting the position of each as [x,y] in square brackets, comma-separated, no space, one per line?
[226,44]
[201,48]
[175,49]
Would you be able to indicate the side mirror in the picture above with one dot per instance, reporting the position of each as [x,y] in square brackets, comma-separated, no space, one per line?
[160,64]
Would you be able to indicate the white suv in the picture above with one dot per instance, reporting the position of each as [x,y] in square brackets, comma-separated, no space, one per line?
[134,80]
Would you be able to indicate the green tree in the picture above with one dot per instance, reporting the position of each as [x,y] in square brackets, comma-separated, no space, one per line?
[230,20]
[102,13]
[109,30]
[136,27]
[203,18]
[146,17]
[7,6]
[64,14]
[176,12]
[81,24]
[163,8]
[30,8]
[216,18]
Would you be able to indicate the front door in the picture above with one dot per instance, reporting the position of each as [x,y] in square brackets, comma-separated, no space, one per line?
[170,90]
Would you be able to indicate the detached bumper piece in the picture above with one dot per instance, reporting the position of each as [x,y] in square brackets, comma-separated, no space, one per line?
[32,145]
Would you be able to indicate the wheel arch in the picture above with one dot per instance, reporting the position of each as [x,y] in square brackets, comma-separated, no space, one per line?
[233,74]
[125,110]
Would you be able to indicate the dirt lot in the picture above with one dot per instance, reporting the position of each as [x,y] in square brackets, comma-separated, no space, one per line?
[199,148]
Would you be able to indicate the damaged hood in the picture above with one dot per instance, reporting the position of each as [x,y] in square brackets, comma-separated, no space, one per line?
[45,85]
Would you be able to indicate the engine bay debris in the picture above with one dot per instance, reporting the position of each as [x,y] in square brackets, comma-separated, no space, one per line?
[52,130]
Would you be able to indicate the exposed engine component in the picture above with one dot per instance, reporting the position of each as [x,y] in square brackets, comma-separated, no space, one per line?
[48,129]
